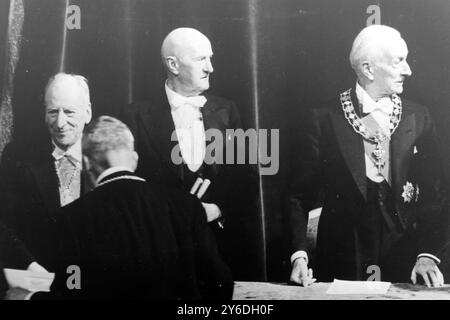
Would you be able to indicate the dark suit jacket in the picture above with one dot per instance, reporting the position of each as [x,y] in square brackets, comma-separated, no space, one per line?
[332,161]
[29,194]
[13,254]
[152,126]
[233,188]
[135,240]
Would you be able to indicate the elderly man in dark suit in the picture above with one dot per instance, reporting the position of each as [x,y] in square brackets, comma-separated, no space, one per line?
[133,239]
[38,178]
[376,159]
[177,122]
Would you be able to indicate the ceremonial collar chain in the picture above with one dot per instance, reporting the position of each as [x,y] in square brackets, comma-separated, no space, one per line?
[358,126]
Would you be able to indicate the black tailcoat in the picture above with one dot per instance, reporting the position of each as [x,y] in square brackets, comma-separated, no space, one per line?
[233,188]
[331,159]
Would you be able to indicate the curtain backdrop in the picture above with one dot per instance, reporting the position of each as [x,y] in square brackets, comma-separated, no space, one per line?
[274,58]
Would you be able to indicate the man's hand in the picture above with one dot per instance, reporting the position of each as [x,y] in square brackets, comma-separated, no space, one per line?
[301,274]
[429,271]
[212,211]
[17,293]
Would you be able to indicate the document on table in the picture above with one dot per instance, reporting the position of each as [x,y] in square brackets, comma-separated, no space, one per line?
[358,287]
[32,281]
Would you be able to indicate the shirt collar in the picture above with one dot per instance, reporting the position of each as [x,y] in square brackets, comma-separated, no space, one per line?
[73,151]
[176,100]
[369,105]
[110,171]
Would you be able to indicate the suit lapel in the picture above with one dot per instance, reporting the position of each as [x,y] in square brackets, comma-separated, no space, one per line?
[401,141]
[351,146]
[158,123]
[47,181]
[212,120]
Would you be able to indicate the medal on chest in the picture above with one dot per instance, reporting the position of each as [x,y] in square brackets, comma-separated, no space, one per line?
[375,136]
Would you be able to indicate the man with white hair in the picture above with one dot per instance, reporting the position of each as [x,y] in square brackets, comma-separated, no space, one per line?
[38,178]
[376,158]
[176,122]
[132,239]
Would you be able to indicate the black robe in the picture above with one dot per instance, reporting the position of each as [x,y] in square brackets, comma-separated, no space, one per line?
[135,240]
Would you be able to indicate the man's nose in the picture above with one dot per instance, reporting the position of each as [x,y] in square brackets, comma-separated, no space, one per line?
[406,69]
[208,67]
[61,119]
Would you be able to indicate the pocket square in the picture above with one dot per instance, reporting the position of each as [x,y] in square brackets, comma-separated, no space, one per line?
[415,150]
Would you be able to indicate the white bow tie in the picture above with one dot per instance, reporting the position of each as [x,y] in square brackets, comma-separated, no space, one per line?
[384,105]
[197,101]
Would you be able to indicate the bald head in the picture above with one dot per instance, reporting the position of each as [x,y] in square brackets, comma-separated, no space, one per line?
[186,54]
[182,40]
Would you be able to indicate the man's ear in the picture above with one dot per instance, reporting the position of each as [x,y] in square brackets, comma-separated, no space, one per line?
[172,65]
[367,70]
[89,113]
[135,158]
[86,163]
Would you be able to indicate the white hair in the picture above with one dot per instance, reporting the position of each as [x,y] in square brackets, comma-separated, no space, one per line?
[106,134]
[368,42]
[78,80]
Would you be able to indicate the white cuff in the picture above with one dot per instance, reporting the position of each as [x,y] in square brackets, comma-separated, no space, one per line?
[28,296]
[427,255]
[299,254]
[33,265]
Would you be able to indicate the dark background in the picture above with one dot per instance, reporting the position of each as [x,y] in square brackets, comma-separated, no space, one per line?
[274,58]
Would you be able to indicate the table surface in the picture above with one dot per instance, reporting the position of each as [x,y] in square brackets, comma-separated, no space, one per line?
[317,291]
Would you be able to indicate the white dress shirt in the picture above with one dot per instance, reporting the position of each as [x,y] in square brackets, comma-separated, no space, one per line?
[189,127]
[73,151]
[380,111]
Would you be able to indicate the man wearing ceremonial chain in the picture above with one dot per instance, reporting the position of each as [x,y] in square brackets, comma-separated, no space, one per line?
[375,158]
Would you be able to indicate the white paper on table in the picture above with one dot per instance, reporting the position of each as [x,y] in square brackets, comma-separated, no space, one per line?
[358,287]
[32,281]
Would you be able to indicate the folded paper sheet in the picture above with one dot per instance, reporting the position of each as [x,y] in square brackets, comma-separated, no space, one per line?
[358,287]
[32,281]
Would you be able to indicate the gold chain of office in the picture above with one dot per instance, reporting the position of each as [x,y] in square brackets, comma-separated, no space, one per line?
[378,136]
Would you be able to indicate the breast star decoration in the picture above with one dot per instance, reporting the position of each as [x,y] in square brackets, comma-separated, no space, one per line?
[410,193]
